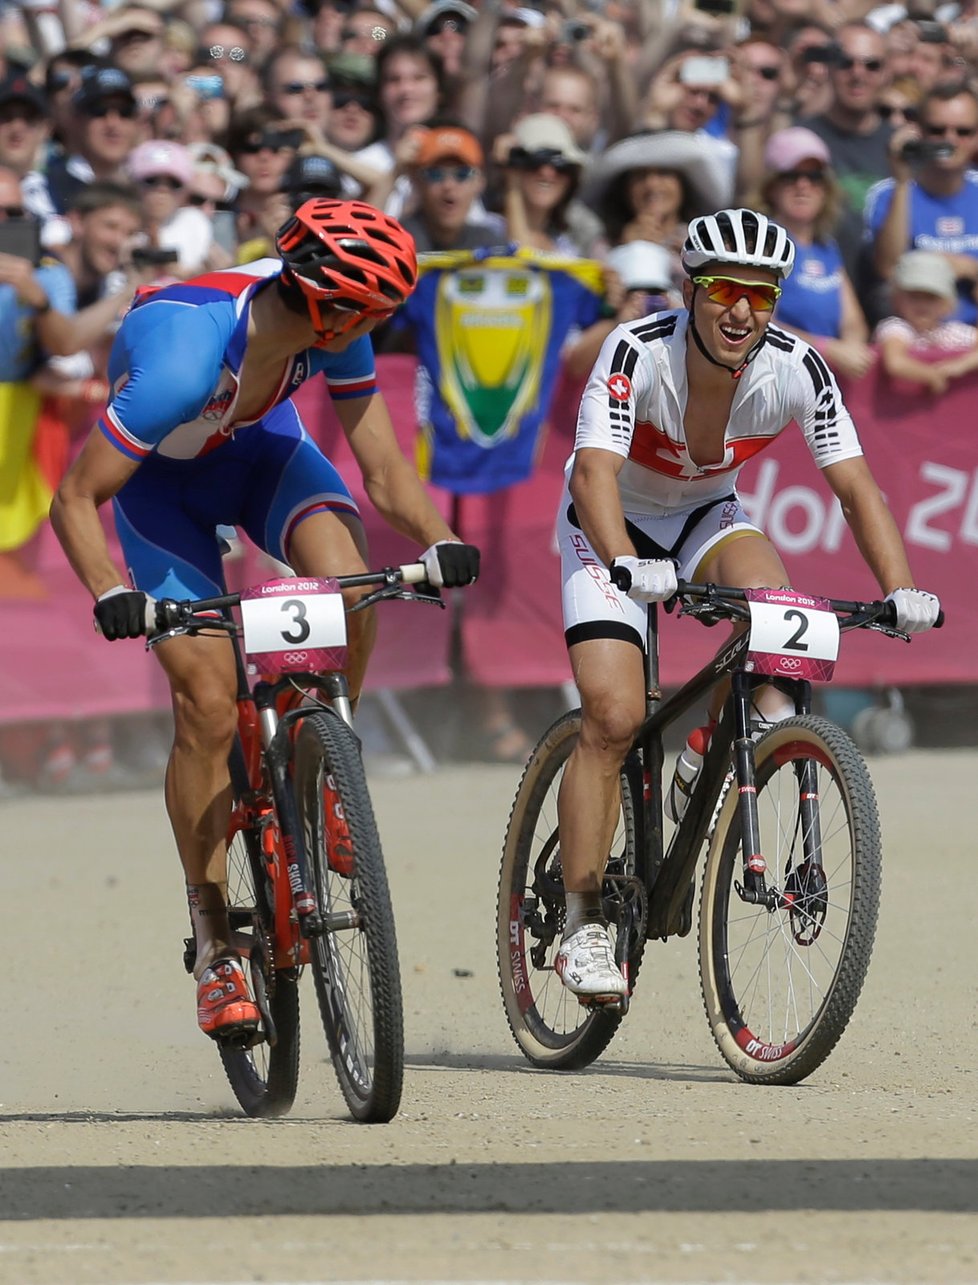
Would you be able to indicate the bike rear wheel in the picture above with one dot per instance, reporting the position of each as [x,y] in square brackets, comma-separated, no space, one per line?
[551,1027]
[780,985]
[264,1077]
[354,962]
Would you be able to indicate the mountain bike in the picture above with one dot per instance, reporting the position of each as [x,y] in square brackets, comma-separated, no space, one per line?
[306,876]
[788,817]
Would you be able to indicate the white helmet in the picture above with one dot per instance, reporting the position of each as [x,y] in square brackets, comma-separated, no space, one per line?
[740,237]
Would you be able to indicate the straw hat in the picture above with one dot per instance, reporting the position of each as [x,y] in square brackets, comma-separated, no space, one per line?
[666,150]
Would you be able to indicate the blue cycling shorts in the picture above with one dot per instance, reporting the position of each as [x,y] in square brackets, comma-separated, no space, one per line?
[266,480]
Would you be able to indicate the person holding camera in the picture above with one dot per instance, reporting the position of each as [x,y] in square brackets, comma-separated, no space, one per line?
[854,132]
[931,199]
[178,235]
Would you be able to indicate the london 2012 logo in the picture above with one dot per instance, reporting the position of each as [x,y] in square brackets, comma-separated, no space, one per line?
[620,387]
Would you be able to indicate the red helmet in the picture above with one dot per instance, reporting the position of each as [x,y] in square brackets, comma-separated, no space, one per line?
[349,254]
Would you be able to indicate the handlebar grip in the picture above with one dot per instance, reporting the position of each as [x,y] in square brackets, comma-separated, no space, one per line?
[413,573]
[621,578]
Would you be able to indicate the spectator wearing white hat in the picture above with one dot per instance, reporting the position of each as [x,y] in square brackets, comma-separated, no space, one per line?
[647,188]
[164,172]
[818,301]
[919,345]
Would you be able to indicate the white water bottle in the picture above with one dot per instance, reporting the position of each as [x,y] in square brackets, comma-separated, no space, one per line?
[687,770]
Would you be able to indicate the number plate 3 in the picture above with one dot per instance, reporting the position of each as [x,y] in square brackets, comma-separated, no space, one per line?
[791,635]
[294,626]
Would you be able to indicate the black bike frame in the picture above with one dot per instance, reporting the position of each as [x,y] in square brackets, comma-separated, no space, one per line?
[669,872]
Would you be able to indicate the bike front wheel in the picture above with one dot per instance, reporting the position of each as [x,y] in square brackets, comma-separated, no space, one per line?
[264,1077]
[780,982]
[552,1028]
[354,961]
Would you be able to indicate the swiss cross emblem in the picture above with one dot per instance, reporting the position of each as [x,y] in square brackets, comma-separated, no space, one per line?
[620,387]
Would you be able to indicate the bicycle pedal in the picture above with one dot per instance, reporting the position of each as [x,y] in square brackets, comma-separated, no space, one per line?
[609,1003]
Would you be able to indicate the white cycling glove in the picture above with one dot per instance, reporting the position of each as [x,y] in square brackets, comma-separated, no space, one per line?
[916,611]
[645,579]
[450,564]
[122,612]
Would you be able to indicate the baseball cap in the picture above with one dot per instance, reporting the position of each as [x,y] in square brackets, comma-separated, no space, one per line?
[159,157]
[450,142]
[544,132]
[99,83]
[642,265]
[787,148]
[927,271]
[442,9]
[17,88]
[316,175]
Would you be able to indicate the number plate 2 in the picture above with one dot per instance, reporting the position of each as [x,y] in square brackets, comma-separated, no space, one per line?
[791,635]
[294,626]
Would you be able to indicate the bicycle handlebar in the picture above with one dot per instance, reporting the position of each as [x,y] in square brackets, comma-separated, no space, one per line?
[858,614]
[165,614]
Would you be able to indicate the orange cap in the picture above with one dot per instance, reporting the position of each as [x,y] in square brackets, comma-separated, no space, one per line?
[450,143]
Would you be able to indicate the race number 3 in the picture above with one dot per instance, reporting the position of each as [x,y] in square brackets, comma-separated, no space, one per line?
[792,635]
[294,625]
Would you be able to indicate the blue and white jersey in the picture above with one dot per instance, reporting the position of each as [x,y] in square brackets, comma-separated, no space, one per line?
[176,361]
[947,224]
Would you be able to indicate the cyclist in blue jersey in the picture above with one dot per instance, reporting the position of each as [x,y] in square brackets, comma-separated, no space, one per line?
[199,432]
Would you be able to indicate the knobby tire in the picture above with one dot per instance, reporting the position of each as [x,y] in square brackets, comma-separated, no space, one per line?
[356,971]
[553,1030]
[778,995]
[263,1078]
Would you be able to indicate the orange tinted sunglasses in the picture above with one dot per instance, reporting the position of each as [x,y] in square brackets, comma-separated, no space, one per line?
[726,291]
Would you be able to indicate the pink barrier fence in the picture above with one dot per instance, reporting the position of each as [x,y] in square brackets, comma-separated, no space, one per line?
[924,452]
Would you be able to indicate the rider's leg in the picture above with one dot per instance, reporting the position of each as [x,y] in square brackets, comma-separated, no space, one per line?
[749,561]
[198,789]
[610,678]
[328,543]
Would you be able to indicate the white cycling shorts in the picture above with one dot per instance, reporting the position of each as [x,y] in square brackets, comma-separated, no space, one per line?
[593,607]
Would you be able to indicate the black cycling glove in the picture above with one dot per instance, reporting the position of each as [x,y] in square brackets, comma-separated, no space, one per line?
[451,564]
[122,613]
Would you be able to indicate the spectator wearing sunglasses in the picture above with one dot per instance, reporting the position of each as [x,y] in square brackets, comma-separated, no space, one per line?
[443,27]
[931,200]
[817,301]
[24,130]
[856,135]
[263,145]
[226,48]
[264,22]
[297,85]
[354,118]
[163,171]
[899,101]
[542,170]
[107,131]
[448,177]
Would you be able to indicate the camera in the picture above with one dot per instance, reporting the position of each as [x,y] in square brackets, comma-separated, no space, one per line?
[574,30]
[919,151]
[828,53]
[151,256]
[717,7]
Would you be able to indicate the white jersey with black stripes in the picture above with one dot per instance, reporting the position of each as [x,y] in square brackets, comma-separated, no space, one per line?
[635,402]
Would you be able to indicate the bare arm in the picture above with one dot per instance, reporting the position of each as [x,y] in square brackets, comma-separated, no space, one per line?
[394,488]
[98,473]
[871,522]
[594,490]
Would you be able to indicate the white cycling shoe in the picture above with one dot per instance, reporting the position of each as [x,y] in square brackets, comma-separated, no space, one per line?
[585,963]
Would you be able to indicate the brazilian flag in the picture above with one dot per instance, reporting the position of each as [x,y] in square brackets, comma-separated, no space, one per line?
[489,327]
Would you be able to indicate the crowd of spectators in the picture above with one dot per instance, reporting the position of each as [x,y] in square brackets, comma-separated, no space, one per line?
[152,140]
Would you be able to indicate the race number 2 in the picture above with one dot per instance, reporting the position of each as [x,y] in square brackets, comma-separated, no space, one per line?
[293,626]
[791,635]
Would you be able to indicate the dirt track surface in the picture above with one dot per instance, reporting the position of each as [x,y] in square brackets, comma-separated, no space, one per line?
[125,1159]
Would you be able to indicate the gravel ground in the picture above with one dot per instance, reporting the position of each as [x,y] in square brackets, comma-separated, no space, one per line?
[126,1160]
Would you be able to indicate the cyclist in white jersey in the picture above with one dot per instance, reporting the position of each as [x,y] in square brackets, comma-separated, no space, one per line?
[676,403]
